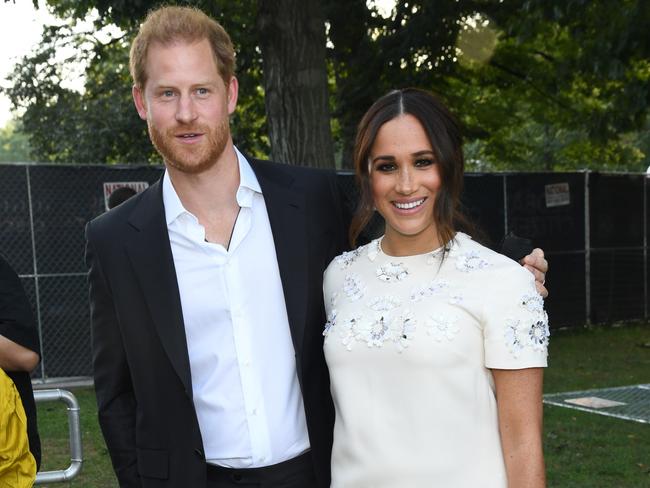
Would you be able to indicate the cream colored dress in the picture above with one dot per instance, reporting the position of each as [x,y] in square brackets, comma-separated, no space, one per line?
[408,343]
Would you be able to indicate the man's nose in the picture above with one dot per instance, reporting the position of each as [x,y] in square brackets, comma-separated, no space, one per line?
[186,111]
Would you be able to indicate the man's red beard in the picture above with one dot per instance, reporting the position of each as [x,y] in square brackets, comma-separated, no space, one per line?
[191,158]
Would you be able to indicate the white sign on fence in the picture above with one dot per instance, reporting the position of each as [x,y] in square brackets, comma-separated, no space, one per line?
[111,186]
[557,194]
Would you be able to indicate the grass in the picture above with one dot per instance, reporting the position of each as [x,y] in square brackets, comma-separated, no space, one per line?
[96,471]
[582,450]
[587,450]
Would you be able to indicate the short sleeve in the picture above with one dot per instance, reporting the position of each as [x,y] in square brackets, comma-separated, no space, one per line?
[515,325]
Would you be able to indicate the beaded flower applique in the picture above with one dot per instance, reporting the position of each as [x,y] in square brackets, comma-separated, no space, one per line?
[347,258]
[470,261]
[353,287]
[533,331]
[442,327]
[392,272]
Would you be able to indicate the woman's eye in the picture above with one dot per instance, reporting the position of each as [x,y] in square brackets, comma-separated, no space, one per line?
[385,167]
[423,162]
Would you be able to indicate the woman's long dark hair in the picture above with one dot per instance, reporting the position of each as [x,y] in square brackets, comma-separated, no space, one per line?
[444,134]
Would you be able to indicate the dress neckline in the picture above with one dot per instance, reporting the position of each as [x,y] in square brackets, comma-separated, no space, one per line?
[433,252]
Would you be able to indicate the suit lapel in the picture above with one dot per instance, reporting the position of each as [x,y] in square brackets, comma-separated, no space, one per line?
[285,205]
[151,257]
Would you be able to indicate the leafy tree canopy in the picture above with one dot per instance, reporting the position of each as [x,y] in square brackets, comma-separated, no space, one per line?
[538,84]
[14,144]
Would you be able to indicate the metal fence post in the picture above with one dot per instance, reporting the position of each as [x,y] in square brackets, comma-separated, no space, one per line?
[645,246]
[587,252]
[39,321]
[74,429]
[505,204]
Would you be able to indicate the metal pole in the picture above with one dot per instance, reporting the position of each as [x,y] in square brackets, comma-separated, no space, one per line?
[645,246]
[587,252]
[35,269]
[74,430]
[505,204]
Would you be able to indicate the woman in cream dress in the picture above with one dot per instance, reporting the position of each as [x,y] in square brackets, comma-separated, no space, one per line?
[435,344]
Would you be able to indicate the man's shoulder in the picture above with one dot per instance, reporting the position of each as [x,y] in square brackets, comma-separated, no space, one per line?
[116,218]
[269,168]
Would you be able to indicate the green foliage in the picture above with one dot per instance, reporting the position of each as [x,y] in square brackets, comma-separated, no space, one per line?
[238,18]
[538,84]
[14,144]
[98,125]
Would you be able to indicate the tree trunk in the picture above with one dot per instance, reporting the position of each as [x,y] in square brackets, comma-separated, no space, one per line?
[292,39]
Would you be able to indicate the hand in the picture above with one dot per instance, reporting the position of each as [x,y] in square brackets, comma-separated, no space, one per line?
[536,264]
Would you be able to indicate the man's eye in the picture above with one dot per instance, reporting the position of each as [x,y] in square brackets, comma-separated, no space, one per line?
[168,93]
[202,91]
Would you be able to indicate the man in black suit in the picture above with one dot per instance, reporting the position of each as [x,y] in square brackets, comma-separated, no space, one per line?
[206,289]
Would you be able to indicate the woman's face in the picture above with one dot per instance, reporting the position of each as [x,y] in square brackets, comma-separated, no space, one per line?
[405,180]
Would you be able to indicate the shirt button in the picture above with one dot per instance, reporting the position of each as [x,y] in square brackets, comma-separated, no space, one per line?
[254,412]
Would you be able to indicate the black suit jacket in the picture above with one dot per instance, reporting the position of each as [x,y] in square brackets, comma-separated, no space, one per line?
[140,358]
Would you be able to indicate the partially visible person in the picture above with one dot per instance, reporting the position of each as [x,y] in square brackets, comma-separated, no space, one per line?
[120,195]
[19,346]
[435,344]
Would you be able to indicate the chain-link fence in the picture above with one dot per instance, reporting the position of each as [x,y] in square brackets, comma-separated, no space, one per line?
[43,212]
[593,228]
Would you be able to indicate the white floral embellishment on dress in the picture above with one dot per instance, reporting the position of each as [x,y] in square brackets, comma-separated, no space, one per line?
[434,287]
[456,299]
[392,272]
[347,258]
[511,334]
[406,324]
[373,249]
[374,332]
[470,261]
[533,302]
[347,330]
[331,322]
[538,333]
[353,287]
[532,331]
[442,327]
[384,303]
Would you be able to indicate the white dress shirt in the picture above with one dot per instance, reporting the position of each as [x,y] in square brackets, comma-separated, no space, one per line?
[245,387]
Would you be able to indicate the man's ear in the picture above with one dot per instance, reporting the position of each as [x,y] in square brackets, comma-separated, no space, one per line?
[232,91]
[138,99]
